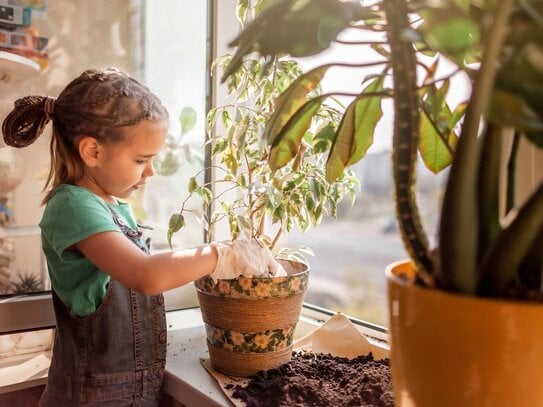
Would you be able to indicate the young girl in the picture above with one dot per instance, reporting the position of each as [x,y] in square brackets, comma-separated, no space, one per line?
[110,341]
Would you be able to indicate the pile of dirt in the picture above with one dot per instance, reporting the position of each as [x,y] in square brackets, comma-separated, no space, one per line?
[316,379]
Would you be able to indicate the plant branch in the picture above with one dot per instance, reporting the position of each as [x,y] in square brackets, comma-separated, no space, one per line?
[438,80]
[276,238]
[361,42]
[355,65]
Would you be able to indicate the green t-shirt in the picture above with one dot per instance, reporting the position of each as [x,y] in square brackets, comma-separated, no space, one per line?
[72,214]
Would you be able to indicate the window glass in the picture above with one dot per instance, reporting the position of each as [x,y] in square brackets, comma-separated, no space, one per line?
[176,68]
[162,44]
[353,251]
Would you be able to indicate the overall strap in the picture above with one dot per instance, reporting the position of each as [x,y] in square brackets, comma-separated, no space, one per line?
[134,235]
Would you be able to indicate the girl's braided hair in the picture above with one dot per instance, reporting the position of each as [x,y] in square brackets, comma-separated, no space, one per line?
[98,103]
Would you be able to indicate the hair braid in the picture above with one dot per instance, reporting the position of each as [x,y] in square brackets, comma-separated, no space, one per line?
[99,103]
[25,123]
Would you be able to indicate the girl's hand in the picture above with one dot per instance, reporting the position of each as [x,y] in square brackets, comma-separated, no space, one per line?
[245,258]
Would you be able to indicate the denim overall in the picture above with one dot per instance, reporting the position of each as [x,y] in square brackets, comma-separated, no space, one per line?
[114,356]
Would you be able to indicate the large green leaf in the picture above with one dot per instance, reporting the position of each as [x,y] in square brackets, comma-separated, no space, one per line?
[291,100]
[521,75]
[324,138]
[355,132]
[437,138]
[451,31]
[287,142]
[434,152]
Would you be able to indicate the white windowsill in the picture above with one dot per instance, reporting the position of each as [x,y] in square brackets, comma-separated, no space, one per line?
[186,379]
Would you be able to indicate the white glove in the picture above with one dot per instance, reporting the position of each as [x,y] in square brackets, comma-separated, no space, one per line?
[245,258]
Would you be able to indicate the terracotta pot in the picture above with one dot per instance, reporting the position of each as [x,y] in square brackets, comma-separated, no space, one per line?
[456,350]
[250,322]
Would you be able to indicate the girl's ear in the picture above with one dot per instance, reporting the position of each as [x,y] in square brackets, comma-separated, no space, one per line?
[89,150]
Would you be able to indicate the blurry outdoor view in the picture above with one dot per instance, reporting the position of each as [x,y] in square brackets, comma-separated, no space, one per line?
[352,251]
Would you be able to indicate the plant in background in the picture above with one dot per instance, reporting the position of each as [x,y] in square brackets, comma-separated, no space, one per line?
[261,189]
[498,48]
[169,160]
[27,283]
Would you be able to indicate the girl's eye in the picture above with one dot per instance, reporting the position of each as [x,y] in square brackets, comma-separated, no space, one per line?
[141,162]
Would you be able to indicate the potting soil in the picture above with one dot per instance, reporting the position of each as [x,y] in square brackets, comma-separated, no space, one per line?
[316,379]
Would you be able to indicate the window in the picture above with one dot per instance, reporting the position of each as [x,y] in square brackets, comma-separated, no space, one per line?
[150,41]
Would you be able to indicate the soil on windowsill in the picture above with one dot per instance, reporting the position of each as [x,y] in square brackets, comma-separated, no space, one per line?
[316,379]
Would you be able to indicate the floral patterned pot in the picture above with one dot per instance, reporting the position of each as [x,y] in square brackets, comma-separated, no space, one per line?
[250,322]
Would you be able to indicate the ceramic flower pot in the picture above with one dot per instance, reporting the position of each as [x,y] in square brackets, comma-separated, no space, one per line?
[457,350]
[250,322]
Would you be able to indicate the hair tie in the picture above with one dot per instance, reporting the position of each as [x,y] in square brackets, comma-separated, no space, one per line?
[49,107]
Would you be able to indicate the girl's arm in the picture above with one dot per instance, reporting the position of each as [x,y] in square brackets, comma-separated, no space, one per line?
[117,256]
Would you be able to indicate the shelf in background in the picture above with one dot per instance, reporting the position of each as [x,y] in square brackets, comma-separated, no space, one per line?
[15,68]
[19,231]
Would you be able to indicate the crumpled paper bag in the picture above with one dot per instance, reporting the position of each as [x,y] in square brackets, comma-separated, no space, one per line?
[339,337]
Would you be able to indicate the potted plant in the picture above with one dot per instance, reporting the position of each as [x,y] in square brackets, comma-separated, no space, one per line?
[250,322]
[465,316]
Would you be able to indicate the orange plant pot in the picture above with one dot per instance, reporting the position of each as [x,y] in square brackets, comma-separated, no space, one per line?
[457,350]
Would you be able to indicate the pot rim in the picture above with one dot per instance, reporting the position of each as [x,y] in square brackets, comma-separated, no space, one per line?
[408,282]
[269,278]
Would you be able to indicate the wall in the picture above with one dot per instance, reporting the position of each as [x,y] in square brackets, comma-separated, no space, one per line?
[81,34]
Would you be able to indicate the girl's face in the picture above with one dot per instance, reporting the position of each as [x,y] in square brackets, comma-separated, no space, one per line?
[125,166]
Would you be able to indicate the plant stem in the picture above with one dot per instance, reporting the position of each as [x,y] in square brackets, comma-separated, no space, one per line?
[405,139]
[489,188]
[459,224]
[299,156]
[500,270]
[276,238]
[511,173]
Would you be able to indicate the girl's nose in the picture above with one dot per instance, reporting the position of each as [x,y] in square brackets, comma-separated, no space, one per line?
[150,169]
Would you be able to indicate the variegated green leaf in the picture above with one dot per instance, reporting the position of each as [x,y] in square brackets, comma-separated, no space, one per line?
[205,193]
[241,10]
[193,184]
[177,221]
